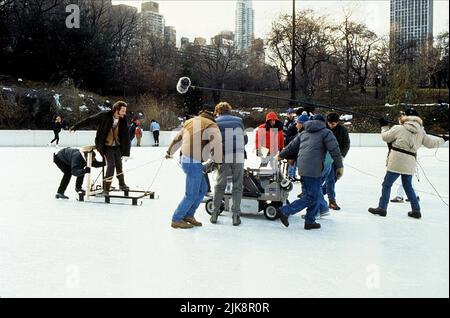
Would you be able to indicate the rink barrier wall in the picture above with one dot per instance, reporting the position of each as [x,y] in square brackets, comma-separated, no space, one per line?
[40,138]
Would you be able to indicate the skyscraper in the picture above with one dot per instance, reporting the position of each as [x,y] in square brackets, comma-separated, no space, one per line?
[245,24]
[411,24]
[151,21]
[170,35]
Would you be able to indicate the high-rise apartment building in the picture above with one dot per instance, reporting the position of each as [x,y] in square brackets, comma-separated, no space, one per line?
[245,24]
[411,25]
[151,21]
[170,35]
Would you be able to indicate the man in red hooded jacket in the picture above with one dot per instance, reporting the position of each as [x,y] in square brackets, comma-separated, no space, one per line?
[269,135]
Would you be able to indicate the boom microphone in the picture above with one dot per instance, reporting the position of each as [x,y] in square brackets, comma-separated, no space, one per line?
[183,85]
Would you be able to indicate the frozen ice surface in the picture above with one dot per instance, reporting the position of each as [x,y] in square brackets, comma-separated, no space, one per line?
[54,248]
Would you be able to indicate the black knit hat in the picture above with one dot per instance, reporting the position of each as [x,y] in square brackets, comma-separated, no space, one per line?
[318,117]
[208,108]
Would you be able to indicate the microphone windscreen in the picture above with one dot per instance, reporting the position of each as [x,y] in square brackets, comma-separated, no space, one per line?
[183,85]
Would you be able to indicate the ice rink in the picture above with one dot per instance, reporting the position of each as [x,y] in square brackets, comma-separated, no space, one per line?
[55,248]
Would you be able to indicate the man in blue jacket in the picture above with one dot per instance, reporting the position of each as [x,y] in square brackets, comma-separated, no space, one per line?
[311,146]
[234,140]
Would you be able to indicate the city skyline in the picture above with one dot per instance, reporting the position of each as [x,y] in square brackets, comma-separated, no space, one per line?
[212,17]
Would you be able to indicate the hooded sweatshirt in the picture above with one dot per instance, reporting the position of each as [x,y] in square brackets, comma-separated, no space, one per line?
[270,137]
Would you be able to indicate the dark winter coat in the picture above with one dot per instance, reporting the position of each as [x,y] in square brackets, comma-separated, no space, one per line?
[341,134]
[291,133]
[132,130]
[74,159]
[288,123]
[311,146]
[104,123]
[57,127]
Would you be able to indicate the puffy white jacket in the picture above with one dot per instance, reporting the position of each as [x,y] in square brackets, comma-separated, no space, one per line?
[409,136]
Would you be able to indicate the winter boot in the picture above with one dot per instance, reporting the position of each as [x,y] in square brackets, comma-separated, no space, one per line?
[106,188]
[415,214]
[192,220]
[122,185]
[333,205]
[418,199]
[80,191]
[236,219]
[378,211]
[283,218]
[397,200]
[181,225]
[60,196]
[214,217]
[312,226]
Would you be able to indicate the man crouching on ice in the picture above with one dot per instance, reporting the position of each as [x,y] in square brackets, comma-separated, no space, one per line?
[72,163]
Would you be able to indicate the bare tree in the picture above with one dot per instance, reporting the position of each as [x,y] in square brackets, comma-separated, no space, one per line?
[314,45]
[280,44]
[361,51]
[213,63]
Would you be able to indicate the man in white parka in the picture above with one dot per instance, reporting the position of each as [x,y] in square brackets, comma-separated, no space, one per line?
[404,140]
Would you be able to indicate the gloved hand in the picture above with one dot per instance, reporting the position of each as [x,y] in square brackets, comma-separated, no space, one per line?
[383,122]
[98,164]
[209,166]
[339,173]
[168,156]
[87,170]
[445,137]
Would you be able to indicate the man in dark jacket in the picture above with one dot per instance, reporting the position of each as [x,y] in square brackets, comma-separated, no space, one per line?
[132,130]
[234,139]
[289,121]
[311,146]
[112,141]
[72,163]
[341,134]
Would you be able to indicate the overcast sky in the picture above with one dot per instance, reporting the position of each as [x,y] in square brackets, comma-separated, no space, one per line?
[206,18]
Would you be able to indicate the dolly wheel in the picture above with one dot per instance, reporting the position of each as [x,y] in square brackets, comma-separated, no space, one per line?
[209,205]
[270,212]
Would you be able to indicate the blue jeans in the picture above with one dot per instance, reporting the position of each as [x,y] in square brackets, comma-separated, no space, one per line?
[323,203]
[389,180]
[330,181]
[292,170]
[310,200]
[196,188]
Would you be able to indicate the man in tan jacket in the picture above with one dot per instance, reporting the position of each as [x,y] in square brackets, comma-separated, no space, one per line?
[404,139]
[199,140]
